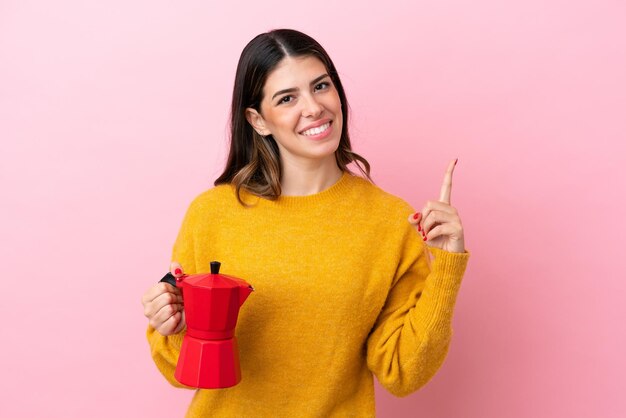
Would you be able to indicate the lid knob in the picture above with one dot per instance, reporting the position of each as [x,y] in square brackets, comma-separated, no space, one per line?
[215,267]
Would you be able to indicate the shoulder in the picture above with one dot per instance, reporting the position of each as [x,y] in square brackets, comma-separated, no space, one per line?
[216,198]
[374,197]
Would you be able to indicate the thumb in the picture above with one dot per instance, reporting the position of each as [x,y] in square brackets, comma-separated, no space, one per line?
[415,218]
[176,269]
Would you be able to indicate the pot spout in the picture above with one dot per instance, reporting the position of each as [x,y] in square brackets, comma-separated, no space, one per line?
[244,292]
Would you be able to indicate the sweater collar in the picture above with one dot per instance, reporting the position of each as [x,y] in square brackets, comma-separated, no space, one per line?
[330,194]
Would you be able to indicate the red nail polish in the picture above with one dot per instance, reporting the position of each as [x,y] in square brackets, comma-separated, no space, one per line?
[178,271]
[417,215]
[425,239]
[419,227]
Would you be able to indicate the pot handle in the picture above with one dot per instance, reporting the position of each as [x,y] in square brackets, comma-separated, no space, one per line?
[169,278]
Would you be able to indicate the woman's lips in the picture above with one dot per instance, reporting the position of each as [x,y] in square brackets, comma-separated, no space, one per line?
[319,132]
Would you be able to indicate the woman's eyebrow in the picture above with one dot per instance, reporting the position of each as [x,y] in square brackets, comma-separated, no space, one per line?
[291,90]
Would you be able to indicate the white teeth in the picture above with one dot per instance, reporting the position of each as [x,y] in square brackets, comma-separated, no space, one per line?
[316,131]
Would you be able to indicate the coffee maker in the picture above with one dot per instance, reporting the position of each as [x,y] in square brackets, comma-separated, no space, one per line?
[209,356]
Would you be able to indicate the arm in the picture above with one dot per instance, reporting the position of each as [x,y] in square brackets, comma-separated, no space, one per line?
[166,349]
[412,334]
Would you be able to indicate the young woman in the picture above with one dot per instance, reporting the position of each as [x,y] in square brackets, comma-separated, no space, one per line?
[344,284]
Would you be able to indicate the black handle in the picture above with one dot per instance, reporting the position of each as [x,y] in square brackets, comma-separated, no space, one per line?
[169,278]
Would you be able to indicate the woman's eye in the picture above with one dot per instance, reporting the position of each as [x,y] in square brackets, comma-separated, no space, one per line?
[285,99]
[322,86]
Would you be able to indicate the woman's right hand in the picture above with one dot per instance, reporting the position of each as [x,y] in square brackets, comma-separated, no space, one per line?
[163,305]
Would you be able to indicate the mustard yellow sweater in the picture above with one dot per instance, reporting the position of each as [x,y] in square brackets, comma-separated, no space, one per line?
[344,287]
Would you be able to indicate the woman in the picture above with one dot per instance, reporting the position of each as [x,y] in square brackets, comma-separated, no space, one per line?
[344,286]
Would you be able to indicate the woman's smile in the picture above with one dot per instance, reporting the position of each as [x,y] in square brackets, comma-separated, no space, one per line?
[318,131]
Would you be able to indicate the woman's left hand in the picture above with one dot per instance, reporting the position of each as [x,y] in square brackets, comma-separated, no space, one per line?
[439,222]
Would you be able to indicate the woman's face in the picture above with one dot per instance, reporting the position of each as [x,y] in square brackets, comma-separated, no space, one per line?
[301,109]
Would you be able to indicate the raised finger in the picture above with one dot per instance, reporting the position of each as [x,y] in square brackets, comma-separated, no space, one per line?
[446,187]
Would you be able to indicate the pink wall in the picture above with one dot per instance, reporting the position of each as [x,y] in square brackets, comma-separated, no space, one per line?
[113,117]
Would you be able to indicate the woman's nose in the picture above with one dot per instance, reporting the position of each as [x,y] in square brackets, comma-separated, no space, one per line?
[312,108]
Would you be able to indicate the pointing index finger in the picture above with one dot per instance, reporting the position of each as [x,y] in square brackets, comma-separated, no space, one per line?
[446,188]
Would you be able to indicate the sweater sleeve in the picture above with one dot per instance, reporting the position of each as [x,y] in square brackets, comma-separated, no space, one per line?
[166,349]
[412,334]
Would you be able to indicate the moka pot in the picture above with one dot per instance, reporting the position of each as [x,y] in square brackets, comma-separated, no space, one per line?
[209,356]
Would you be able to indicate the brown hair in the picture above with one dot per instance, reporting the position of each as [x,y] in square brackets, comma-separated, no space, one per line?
[254,160]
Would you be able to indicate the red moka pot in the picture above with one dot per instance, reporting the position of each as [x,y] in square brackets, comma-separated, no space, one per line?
[209,356]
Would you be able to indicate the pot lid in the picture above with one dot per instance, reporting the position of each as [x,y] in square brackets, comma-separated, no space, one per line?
[214,279]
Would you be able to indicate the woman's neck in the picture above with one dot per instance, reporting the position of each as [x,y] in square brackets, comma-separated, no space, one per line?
[304,181]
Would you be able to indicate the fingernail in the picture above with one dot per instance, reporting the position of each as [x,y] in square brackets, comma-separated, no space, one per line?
[425,238]
[417,215]
[178,271]
[456,161]
[419,227]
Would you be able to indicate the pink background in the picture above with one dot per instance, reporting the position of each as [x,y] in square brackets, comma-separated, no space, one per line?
[113,117]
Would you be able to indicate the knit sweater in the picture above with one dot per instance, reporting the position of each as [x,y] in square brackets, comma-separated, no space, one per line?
[344,288]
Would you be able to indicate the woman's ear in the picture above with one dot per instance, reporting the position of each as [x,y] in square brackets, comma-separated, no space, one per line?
[256,120]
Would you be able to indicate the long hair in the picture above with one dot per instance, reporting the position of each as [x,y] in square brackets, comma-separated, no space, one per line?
[254,160]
